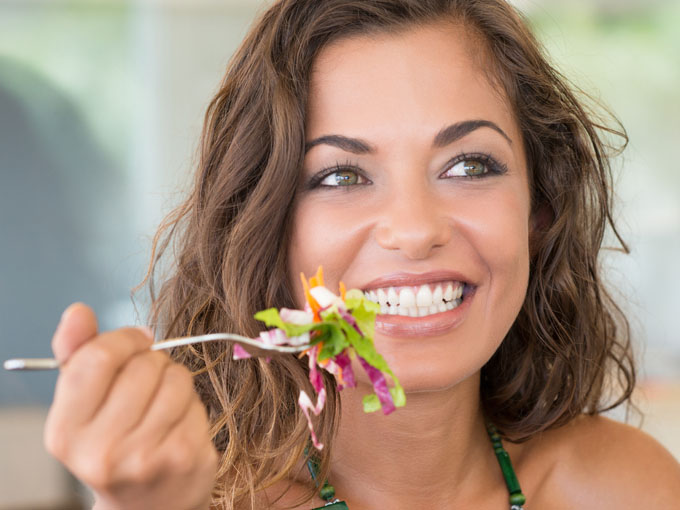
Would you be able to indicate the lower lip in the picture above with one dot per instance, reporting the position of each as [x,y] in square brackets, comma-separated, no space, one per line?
[430,325]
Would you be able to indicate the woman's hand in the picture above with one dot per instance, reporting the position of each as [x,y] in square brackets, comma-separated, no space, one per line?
[126,420]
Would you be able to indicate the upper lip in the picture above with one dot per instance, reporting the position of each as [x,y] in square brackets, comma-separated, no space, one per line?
[413,279]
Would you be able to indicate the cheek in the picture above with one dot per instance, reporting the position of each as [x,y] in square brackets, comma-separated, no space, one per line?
[323,235]
[503,246]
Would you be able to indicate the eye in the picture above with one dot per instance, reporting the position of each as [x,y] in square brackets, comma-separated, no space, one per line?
[468,168]
[471,166]
[341,177]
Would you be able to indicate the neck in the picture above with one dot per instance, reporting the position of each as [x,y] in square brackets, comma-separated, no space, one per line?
[436,444]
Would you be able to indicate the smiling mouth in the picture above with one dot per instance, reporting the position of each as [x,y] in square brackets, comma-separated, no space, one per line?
[419,300]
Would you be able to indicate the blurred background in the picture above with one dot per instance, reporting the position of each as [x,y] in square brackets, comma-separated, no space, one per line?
[101,105]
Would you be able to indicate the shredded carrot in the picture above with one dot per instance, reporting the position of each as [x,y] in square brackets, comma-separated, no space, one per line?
[304,283]
[312,302]
[342,379]
[342,290]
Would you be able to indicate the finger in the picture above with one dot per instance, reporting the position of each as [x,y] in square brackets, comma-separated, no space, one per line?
[185,445]
[169,406]
[86,378]
[186,449]
[78,325]
[132,392]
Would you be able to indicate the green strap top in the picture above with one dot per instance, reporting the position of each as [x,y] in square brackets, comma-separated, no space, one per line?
[517,499]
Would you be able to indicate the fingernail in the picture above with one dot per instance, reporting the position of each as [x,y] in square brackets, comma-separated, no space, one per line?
[147,331]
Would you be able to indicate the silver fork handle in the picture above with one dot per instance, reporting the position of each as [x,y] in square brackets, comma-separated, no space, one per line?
[53,364]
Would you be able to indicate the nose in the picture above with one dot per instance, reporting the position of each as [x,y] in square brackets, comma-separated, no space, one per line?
[414,223]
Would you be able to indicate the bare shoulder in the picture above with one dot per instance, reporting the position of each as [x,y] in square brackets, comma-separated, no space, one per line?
[598,463]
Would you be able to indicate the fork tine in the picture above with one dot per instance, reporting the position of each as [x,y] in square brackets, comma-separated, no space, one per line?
[177,342]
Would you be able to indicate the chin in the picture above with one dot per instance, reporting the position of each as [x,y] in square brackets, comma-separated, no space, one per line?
[417,379]
[419,375]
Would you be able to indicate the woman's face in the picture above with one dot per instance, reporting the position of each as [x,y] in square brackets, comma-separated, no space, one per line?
[415,189]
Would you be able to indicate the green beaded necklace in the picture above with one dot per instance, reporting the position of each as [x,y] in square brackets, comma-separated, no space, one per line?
[517,499]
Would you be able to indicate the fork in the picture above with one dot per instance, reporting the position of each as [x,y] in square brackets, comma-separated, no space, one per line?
[257,348]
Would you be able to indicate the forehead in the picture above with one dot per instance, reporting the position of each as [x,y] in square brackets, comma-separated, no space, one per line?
[427,76]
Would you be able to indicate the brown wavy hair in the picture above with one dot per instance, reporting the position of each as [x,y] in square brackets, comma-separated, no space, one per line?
[225,247]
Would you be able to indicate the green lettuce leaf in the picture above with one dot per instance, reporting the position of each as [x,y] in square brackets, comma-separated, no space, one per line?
[371,403]
[270,317]
[398,395]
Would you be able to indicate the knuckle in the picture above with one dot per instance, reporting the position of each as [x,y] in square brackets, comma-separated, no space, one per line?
[160,357]
[99,356]
[141,469]
[71,377]
[180,373]
[157,360]
[181,455]
[95,468]
[181,379]
[136,337]
[145,362]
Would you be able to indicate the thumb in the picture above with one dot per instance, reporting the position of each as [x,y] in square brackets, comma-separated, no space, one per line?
[78,325]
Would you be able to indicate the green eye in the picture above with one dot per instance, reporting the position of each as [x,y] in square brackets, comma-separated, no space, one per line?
[340,178]
[473,167]
[468,168]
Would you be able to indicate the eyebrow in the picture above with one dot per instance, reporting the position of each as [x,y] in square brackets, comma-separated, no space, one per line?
[446,136]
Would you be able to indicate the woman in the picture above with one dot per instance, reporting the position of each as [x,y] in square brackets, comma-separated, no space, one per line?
[408,146]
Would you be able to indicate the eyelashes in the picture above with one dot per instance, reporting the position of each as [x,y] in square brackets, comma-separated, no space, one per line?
[466,166]
[489,166]
[338,168]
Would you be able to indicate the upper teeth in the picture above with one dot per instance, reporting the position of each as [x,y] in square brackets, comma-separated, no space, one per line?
[418,301]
